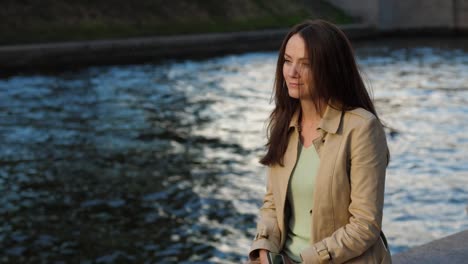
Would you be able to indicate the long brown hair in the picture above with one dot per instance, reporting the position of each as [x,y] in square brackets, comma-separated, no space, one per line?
[336,77]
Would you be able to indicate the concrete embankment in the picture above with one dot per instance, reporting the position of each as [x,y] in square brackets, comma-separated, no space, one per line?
[17,59]
[450,249]
[59,56]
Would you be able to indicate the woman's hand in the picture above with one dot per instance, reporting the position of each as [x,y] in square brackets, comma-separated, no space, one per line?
[263,256]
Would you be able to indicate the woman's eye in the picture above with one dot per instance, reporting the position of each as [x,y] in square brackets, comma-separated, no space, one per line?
[286,60]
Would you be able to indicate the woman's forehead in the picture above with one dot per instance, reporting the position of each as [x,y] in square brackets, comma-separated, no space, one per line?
[295,47]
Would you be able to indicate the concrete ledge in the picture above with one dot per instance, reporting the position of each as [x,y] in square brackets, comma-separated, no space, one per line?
[70,55]
[450,249]
[59,56]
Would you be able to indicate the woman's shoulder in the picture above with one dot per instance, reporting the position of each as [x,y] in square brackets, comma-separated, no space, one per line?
[360,117]
[360,113]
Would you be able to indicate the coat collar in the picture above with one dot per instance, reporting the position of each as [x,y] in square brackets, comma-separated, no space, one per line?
[330,121]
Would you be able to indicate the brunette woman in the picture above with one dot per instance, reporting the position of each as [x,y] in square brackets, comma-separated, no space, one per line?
[326,157]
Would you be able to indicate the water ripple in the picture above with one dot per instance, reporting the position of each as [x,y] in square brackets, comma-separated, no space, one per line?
[149,163]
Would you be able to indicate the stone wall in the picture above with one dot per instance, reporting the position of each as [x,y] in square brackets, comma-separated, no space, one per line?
[422,13]
[408,14]
[462,13]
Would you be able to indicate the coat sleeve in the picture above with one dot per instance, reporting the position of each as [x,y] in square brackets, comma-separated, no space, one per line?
[267,234]
[368,162]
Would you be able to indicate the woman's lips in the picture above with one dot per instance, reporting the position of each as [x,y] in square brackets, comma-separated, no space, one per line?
[295,84]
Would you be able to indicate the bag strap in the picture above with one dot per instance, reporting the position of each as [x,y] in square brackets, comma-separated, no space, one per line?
[384,239]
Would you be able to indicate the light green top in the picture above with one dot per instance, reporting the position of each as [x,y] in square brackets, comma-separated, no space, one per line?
[300,198]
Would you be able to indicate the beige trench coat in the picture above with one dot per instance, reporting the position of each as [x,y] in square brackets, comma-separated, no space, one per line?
[347,209]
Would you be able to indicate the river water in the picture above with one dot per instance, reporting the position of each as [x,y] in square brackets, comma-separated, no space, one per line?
[158,163]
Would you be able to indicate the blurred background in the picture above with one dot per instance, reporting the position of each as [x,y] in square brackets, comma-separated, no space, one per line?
[130,131]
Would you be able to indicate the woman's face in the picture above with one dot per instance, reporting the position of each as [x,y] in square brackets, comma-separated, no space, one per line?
[296,68]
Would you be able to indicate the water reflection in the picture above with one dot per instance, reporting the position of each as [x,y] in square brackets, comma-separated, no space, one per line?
[158,163]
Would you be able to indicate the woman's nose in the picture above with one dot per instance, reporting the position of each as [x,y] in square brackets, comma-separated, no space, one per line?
[293,70]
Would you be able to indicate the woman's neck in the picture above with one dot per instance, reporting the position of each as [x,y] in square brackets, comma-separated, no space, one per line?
[309,115]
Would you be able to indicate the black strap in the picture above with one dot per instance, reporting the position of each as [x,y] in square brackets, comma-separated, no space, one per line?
[384,239]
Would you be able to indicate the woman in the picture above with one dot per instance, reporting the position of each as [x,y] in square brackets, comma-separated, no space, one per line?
[326,159]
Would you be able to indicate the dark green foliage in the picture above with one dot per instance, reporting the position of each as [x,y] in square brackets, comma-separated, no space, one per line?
[53,20]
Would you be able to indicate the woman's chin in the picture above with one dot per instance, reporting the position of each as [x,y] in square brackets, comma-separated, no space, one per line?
[293,94]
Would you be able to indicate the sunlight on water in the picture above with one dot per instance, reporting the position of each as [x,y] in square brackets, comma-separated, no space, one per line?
[160,162]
